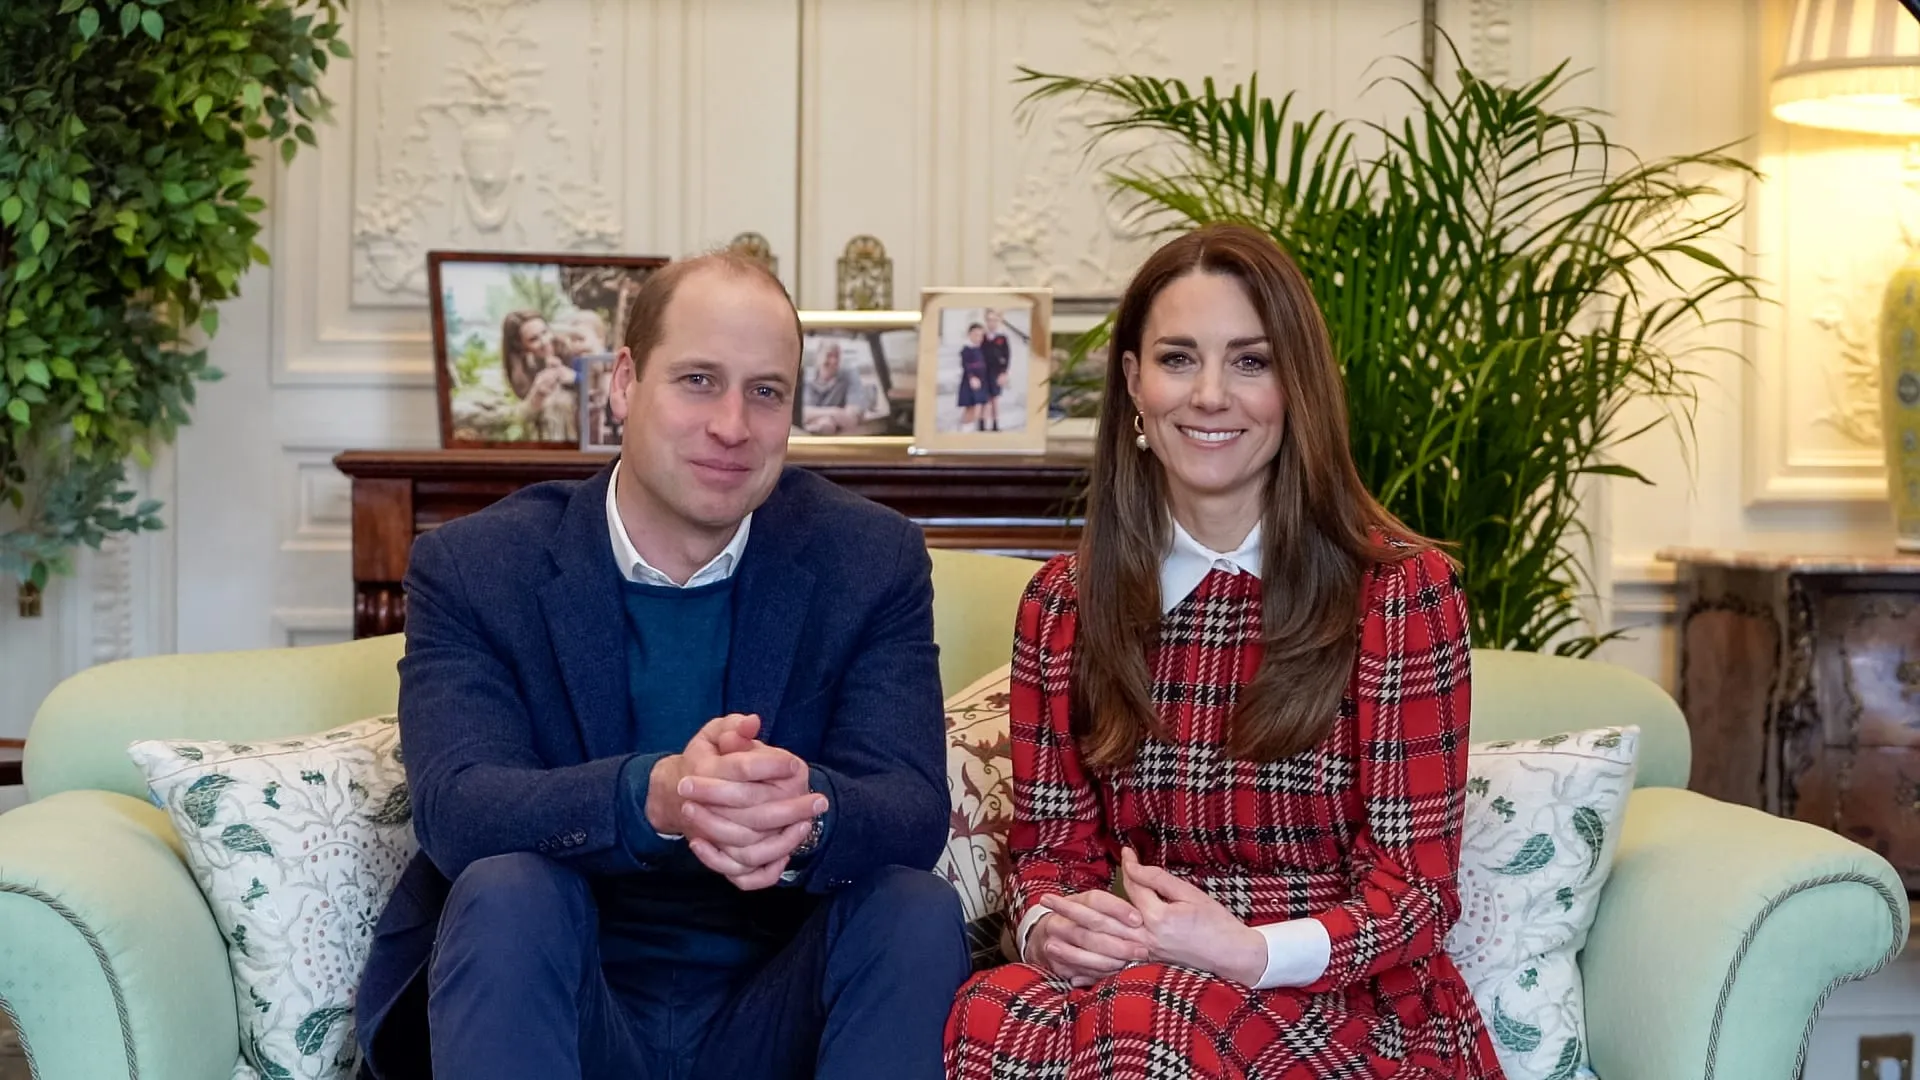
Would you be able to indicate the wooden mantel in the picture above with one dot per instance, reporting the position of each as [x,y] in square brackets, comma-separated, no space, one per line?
[1024,505]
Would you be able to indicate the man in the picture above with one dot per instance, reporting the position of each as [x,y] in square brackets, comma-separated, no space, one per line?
[999,354]
[674,739]
[833,401]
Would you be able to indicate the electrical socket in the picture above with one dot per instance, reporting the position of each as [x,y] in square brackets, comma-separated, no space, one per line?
[1876,1051]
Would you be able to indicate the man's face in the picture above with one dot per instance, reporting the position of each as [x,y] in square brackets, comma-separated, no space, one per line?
[829,362]
[993,323]
[707,419]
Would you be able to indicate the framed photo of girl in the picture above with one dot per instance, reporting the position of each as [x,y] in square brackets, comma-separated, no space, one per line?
[858,377]
[516,336]
[985,360]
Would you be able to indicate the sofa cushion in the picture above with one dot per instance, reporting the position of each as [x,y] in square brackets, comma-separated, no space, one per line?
[980,784]
[296,845]
[1542,819]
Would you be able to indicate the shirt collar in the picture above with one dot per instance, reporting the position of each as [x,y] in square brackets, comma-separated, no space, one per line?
[635,568]
[1189,561]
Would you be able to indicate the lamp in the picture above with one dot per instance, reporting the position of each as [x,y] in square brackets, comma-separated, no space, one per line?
[1854,65]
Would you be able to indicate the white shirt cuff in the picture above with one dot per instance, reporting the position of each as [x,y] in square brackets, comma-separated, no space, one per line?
[1298,951]
[1027,923]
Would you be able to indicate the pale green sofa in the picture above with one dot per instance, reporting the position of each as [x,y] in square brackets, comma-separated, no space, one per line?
[1719,934]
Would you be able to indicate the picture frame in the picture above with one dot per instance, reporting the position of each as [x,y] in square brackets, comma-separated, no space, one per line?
[859,378]
[974,397]
[599,431]
[1073,397]
[509,330]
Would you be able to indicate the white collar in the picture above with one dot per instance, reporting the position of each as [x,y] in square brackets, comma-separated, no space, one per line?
[1189,561]
[635,568]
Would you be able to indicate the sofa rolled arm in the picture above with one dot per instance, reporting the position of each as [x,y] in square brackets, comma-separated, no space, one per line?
[110,962]
[1720,933]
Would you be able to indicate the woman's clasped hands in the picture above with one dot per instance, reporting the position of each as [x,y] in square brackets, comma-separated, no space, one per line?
[1163,919]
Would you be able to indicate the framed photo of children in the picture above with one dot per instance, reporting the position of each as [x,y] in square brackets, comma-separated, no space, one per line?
[516,338]
[858,376]
[980,385]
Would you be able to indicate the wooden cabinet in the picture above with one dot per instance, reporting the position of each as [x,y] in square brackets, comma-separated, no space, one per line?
[1800,678]
[1007,505]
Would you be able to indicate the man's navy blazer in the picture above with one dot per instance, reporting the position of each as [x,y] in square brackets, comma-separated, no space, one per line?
[514,702]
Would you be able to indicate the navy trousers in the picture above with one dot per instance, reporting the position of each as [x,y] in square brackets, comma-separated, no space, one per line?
[517,987]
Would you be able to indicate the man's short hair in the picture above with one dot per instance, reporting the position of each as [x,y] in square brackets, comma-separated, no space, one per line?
[647,316]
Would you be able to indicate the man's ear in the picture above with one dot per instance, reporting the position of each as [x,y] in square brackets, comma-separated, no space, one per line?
[621,385]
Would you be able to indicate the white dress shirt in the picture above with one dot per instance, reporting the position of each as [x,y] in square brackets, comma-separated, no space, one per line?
[634,566]
[1298,950]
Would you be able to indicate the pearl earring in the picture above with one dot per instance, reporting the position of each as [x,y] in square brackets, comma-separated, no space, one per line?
[1139,431]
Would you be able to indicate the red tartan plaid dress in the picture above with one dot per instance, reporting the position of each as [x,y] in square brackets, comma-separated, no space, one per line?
[1362,833]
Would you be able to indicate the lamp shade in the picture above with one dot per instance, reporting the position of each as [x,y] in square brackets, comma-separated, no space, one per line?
[1853,65]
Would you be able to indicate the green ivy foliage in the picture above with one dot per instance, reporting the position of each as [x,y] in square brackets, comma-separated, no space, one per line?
[128,138]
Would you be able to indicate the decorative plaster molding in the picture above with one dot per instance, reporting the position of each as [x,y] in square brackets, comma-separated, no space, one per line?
[112,600]
[1031,243]
[1490,46]
[479,149]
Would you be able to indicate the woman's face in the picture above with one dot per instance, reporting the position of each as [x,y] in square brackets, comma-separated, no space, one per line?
[1208,396]
[536,340]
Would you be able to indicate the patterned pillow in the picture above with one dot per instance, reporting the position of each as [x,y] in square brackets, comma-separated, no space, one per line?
[1543,817]
[980,782]
[296,845]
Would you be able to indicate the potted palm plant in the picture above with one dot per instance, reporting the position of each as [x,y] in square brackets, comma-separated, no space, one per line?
[1500,281]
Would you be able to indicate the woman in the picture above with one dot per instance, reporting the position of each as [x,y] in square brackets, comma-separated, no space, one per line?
[540,377]
[1246,696]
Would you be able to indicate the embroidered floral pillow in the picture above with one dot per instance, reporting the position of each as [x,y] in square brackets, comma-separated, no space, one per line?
[980,783]
[296,845]
[1542,820]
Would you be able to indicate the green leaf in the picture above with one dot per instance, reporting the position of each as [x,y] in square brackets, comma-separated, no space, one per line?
[203,798]
[17,409]
[152,23]
[311,1035]
[38,374]
[1564,897]
[202,105]
[1570,1061]
[129,19]
[1588,825]
[173,193]
[397,809]
[254,892]
[339,48]
[312,777]
[177,265]
[191,753]
[68,7]
[288,148]
[270,795]
[1519,1037]
[89,23]
[10,209]
[210,321]
[41,231]
[1534,854]
[250,95]
[81,193]
[245,838]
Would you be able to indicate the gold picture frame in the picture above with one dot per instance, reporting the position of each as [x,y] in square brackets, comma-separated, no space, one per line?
[975,397]
[870,396]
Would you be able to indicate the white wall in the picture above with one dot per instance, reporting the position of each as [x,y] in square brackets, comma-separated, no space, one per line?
[666,126]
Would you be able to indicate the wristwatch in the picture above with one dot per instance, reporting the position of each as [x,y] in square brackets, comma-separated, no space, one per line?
[812,841]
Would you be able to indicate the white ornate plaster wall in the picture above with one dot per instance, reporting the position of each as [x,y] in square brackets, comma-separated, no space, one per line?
[664,126]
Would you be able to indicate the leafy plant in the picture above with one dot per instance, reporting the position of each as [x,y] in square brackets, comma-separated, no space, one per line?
[127,136]
[1500,280]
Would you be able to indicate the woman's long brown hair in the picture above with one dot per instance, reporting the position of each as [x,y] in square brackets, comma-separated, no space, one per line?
[1321,530]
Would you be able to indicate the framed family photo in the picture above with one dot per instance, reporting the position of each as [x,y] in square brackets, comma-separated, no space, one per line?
[859,374]
[518,339]
[985,359]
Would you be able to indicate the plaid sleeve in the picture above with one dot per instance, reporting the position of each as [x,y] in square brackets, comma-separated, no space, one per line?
[1060,843]
[1411,684]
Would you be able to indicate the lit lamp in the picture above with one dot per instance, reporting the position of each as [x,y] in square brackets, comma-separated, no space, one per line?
[1854,65]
